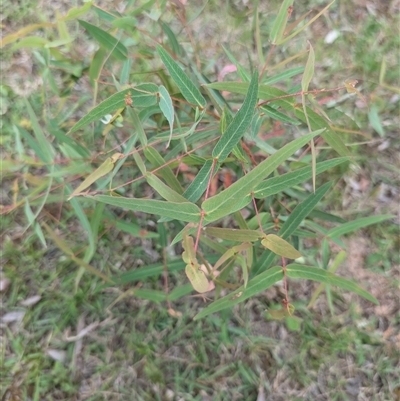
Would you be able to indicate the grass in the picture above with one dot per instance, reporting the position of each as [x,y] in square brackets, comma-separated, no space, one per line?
[135,349]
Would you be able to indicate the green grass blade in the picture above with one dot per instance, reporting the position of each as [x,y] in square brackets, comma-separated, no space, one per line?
[185,85]
[143,95]
[254,286]
[355,225]
[109,42]
[323,276]
[222,204]
[239,124]
[180,211]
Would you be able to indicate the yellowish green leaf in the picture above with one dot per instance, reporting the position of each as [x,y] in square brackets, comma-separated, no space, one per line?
[281,247]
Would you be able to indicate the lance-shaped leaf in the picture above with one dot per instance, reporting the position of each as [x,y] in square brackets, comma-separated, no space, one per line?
[163,169]
[164,190]
[180,211]
[185,85]
[323,276]
[238,126]
[223,203]
[106,40]
[351,226]
[278,184]
[254,286]
[280,247]
[143,95]
[101,171]
[278,28]
[167,108]
[233,234]
[193,271]
[300,212]
[198,186]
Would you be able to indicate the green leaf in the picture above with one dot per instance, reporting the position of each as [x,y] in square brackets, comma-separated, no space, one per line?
[318,122]
[375,121]
[106,40]
[293,221]
[164,190]
[233,234]
[185,85]
[275,185]
[277,115]
[357,224]
[101,171]
[239,124]
[254,286]
[198,186]
[308,71]
[280,247]
[323,276]
[167,108]
[75,12]
[278,28]
[46,149]
[143,95]
[265,92]
[180,211]
[283,76]
[163,169]
[223,203]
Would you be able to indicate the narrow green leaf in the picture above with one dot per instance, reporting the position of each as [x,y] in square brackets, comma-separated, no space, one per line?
[277,115]
[143,95]
[293,221]
[164,190]
[198,186]
[101,171]
[318,122]
[97,65]
[355,225]
[106,40]
[167,108]
[275,185]
[176,47]
[185,85]
[223,203]
[265,92]
[278,28]
[180,211]
[46,149]
[239,124]
[308,71]
[304,26]
[375,121]
[154,157]
[254,286]
[75,12]
[323,276]
[233,234]
[282,76]
[280,247]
